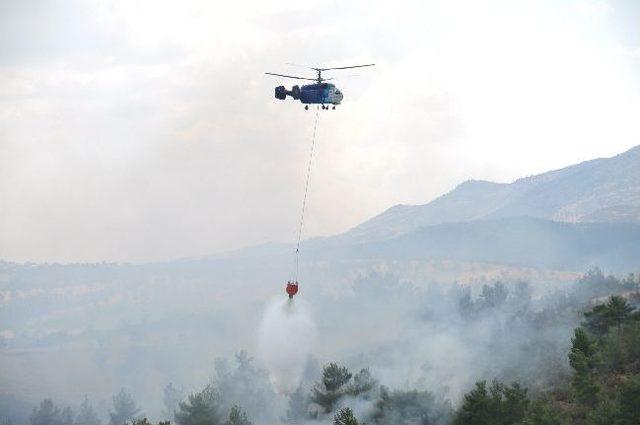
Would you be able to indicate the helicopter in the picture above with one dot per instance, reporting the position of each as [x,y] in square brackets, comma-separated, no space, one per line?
[318,93]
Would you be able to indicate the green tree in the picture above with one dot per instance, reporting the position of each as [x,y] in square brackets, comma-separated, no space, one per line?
[334,376]
[298,406]
[243,383]
[237,417]
[522,297]
[66,416]
[583,352]
[586,388]
[345,417]
[604,413]
[144,421]
[631,340]
[332,386]
[466,307]
[595,283]
[583,358]
[363,384]
[124,408]
[630,401]
[499,405]
[515,403]
[597,320]
[87,415]
[619,310]
[400,407]
[476,407]
[172,397]
[604,316]
[493,296]
[614,352]
[46,414]
[630,282]
[540,413]
[202,408]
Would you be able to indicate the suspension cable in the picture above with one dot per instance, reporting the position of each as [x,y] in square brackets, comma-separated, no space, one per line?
[304,198]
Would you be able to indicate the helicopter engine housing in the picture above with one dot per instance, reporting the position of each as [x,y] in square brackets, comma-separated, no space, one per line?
[281,92]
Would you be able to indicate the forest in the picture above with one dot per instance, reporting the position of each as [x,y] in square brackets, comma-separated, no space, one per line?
[592,377]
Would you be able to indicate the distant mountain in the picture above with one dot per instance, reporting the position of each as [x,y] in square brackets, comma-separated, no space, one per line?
[601,190]
[513,241]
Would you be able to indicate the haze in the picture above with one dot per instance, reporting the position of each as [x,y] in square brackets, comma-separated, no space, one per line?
[136,131]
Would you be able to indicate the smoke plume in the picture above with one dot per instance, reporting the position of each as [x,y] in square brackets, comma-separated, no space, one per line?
[287,335]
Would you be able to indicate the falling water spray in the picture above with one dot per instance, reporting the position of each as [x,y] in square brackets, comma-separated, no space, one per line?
[287,336]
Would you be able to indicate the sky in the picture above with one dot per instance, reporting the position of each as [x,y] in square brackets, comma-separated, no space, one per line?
[137,131]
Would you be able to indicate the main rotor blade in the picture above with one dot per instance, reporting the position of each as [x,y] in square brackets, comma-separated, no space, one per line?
[344,67]
[291,76]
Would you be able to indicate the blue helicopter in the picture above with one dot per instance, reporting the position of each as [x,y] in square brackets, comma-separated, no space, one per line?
[319,93]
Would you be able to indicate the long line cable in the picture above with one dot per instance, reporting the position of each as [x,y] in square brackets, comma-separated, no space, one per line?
[304,198]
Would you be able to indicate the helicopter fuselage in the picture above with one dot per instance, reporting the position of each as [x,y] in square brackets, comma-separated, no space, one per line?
[319,93]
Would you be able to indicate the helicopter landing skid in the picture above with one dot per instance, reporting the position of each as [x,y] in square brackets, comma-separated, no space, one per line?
[306,107]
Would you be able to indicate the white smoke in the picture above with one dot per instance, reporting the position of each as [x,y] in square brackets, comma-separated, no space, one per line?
[287,336]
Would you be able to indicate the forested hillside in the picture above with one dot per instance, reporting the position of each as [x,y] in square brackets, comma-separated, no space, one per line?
[499,356]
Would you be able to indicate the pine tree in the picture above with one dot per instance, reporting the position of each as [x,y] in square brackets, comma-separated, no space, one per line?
[493,296]
[400,407]
[499,405]
[172,397]
[614,352]
[476,408]
[298,406]
[604,413]
[496,389]
[363,384]
[46,414]
[583,351]
[86,415]
[515,403]
[583,359]
[466,307]
[586,388]
[237,417]
[246,385]
[333,386]
[202,408]
[334,376]
[345,417]
[540,413]
[630,401]
[597,320]
[619,310]
[631,339]
[145,421]
[66,416]
[124,409]
[604,316]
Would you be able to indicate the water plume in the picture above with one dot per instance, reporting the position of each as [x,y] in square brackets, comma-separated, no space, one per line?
[286,338]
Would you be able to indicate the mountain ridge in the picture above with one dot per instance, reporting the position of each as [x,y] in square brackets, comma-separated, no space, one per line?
[597,190]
